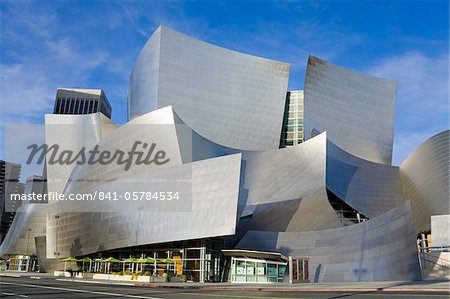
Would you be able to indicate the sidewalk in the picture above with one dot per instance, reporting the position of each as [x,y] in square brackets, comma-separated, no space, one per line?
[388,286]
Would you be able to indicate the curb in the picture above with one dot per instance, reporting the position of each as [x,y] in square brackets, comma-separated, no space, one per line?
[237,289]
[106,282]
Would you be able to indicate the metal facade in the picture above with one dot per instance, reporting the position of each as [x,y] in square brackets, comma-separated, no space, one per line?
[356,110]
[233,99]
[425,180]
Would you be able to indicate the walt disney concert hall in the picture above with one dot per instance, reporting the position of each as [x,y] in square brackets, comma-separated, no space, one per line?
[274,185]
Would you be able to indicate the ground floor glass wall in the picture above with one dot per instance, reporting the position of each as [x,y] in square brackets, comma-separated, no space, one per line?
[194,260]
[22,263]
[254,270]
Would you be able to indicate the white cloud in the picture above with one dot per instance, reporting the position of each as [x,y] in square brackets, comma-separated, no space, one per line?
[422,79]
[39,55]
[422,97]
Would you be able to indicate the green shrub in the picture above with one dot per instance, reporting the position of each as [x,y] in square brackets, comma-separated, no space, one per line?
[167,277]
[135,275]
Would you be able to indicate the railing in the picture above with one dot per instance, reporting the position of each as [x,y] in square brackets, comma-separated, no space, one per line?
[434,249]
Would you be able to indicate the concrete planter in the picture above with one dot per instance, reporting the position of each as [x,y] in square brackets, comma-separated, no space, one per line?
[122,278]
[62,274]
[83,275]
[100,276]
[86,275]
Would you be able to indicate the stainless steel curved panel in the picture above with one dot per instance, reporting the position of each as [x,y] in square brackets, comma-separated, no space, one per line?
[382,248]
[285,174]
[369,188]
[295,215]
[156,127]
[29,222]
[425,180]
[143,85]
[215,187]
[284,187]
[72,132]
[233,99]
[356,110]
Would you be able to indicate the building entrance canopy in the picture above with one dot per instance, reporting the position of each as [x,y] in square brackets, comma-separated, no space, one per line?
[253,254]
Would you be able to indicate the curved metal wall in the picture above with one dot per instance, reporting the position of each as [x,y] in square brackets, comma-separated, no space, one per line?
[295,215]
[72,132]
[233,99]
[156,127]
[29,222]
[284,187]
[215,187]
[367,187]
[356,110]
[143,85]
[382,248]
[425,180]
[287,173]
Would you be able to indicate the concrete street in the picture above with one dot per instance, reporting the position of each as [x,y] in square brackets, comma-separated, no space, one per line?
[49,287]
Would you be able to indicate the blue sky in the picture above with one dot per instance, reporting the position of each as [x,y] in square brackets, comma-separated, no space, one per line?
[93,44]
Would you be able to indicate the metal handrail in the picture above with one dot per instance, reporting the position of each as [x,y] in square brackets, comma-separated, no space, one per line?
[434,248]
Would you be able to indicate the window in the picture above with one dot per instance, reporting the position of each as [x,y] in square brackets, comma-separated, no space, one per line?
[85,106]
[58,106]
[77,106]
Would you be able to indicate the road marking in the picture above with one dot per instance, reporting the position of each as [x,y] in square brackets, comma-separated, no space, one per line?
[79,291]
[12,294]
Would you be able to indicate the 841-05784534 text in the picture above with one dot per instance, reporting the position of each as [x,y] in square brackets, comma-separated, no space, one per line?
[140,195]
[100,195]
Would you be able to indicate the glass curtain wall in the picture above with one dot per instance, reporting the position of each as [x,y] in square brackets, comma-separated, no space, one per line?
[257,270]
[292,130]
[197,260]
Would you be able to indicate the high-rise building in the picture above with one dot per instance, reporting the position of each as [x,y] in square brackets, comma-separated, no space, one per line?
[292,131]
[81,101]
[34,185]
[9,184]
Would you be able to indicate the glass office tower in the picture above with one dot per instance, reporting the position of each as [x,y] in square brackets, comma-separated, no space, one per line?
[81,101]
[292,132]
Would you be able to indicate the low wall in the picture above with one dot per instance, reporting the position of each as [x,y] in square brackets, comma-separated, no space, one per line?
[116,277]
